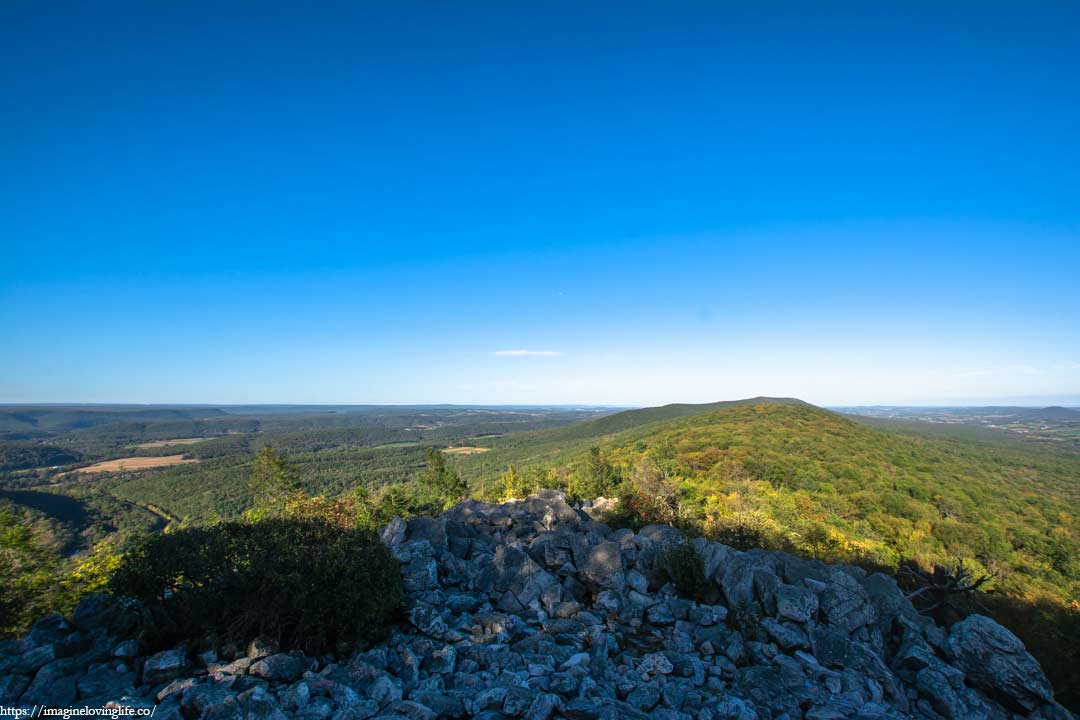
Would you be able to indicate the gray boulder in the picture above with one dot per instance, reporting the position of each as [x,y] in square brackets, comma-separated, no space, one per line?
[164,666]
[996,662]
[12,687]
[281,667]
[602,568]
[393,534]
[939,692]
[796,602]
[431,529]
[845,603]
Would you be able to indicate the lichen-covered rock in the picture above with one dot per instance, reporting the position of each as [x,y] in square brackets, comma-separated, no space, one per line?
[795,602]
[845,603]
[996,662]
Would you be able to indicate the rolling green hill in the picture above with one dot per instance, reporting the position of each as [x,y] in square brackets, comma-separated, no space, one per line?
[795,477]
[881,495]
[561,444]
[630,419]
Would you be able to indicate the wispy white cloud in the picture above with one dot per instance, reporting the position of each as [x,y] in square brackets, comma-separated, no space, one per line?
[528,353]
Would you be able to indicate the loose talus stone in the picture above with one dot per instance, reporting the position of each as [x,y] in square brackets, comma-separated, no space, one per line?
[535,609]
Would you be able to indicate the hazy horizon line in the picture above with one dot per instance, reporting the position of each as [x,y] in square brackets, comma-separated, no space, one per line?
[1024,401]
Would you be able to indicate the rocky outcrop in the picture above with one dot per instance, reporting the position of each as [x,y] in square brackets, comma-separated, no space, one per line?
[535,610]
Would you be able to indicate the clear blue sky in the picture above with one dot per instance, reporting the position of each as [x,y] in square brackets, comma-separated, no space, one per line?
[374,202]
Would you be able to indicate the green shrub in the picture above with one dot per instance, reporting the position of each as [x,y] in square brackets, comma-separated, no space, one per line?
[683,567]
[404,500]
[742,531]
[441,483]
[595,477]
[308,584]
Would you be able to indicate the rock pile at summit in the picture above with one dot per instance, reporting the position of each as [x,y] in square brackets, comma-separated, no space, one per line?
[533,609]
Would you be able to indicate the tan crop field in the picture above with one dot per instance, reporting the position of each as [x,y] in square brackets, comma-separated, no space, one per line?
[134,463]
[465,450]
[163,443]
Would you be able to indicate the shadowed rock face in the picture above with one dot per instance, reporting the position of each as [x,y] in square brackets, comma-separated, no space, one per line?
[534,609]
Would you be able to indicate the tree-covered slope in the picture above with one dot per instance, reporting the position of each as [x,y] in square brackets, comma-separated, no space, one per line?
[629,419]
[882,496]
[559,445]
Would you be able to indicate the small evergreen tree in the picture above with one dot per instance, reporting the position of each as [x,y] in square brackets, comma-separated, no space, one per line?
[440,481]
[272,480]
[596,477]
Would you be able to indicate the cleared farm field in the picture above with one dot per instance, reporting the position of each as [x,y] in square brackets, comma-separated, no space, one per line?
[178,441]
[135,463]
[465,450]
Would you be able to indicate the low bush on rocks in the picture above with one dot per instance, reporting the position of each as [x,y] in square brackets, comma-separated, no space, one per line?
[308,584]
[683,567]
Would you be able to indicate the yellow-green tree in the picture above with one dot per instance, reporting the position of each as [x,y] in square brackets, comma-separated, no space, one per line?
[514,484]
[29,568]
[272,480]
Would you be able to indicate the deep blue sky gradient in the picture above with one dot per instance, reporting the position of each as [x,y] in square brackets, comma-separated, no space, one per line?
[351,202]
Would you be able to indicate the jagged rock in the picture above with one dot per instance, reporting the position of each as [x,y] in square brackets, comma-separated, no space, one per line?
[126,649]
[943,698]
[427,620]
[176,689]
[888,600]
[281,667]
[115,616]
[12,687]
[441,660]
[786,636]
[845,603]
[996,662]
[433,530]
[393,534]
[796,603]
[105,680]
[419,574]
[518,700]
[737,582]
[384,690]
[53,685]
[210,699]
[28,662]
[543,707]
[661,534]
[412,710]
[713,555]
[164,666]
[644,697]
[602,568]
[655,664]
[599,508]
